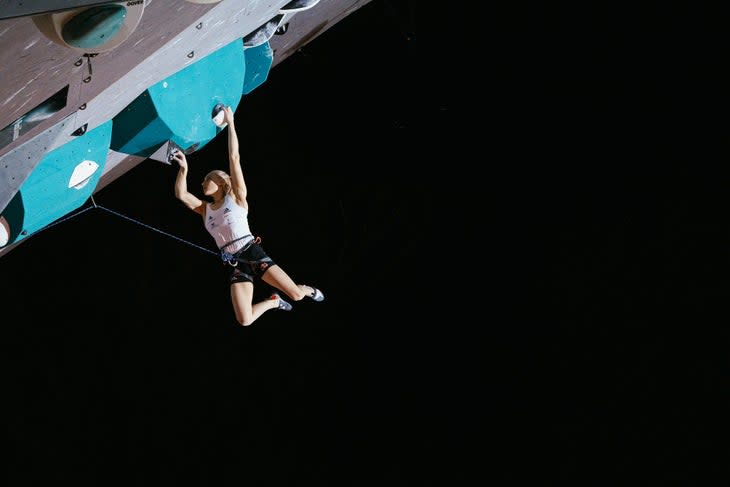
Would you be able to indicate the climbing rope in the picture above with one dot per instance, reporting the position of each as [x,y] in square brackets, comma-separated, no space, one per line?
[126,218]
[152,228]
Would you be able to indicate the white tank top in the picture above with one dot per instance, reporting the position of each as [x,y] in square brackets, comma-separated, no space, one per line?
[228,223]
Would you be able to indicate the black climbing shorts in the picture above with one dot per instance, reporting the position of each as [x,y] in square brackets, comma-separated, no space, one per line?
[249,263]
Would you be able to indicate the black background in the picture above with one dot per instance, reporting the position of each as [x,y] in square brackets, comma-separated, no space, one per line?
[521,237]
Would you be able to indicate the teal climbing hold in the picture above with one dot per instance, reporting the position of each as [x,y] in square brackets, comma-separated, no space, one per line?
[179,108]
[59,183]
[258,64]
[94,26]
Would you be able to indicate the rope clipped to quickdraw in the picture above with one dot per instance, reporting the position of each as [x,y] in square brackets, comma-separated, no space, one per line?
[94,205]
[152,228]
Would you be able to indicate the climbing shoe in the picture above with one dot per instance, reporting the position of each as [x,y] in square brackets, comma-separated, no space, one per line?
[282,304]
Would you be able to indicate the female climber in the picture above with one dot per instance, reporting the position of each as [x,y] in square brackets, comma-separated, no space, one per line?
[226,219]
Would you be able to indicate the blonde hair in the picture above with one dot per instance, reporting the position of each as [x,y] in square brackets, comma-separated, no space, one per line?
[226,179]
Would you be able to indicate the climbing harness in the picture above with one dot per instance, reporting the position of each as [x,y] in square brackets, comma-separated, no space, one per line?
[231,259]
